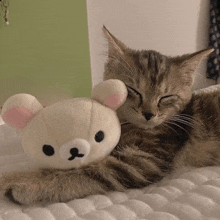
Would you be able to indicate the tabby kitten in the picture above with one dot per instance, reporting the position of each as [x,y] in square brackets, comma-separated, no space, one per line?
[163,126]
[161,115]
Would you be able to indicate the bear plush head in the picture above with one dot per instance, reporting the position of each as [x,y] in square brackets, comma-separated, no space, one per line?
[69,133]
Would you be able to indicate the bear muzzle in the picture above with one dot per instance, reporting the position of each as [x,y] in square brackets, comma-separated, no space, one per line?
[75,149]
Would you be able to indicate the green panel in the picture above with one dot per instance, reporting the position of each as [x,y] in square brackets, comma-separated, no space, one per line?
[45,49]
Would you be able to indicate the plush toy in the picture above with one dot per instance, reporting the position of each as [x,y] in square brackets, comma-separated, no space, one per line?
[69,133]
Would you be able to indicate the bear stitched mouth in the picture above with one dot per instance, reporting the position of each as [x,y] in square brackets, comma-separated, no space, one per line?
[75,153]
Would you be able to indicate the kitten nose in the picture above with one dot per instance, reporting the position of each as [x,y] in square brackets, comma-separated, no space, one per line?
[148,116]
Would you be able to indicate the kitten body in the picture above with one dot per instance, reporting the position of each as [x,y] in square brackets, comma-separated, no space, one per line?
[164,126]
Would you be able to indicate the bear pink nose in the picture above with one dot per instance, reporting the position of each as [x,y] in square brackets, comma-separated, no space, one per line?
[77,149]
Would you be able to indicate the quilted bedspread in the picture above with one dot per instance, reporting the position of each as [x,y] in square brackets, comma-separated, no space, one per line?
[188,194]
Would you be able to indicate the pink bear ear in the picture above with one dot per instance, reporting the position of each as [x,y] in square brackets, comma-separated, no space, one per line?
[114,101]
[17,117]
[19,109]
[111,93]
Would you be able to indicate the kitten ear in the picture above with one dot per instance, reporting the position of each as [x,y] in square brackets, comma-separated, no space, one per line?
[115,46]
[191,62]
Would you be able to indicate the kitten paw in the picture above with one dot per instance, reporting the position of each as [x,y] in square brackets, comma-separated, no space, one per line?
[10,196]
[20,188]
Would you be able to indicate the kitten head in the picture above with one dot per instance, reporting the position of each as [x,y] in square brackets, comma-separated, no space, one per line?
[159,86]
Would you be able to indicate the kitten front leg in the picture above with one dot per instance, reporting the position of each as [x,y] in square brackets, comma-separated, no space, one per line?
[46,186]
[125,169]
[56,185]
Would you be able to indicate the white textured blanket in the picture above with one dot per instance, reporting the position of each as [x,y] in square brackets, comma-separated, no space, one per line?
[192,194]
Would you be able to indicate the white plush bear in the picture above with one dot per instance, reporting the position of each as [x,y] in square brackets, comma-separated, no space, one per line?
[70,133]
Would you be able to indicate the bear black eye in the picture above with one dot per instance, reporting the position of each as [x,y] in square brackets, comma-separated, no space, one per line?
[48,150]
[99,136]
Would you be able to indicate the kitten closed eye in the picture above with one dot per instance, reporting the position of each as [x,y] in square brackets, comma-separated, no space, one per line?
[135,93]
[167,100]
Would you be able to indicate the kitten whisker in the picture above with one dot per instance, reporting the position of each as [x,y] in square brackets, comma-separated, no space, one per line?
[190,125]
[175,124]
[184,122]
[165,125]
[189,118]
[186,116]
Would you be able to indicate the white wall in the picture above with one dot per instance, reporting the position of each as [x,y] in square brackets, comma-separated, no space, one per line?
[172,27]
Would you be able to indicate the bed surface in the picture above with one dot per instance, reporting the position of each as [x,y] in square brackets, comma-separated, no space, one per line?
[187,194]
